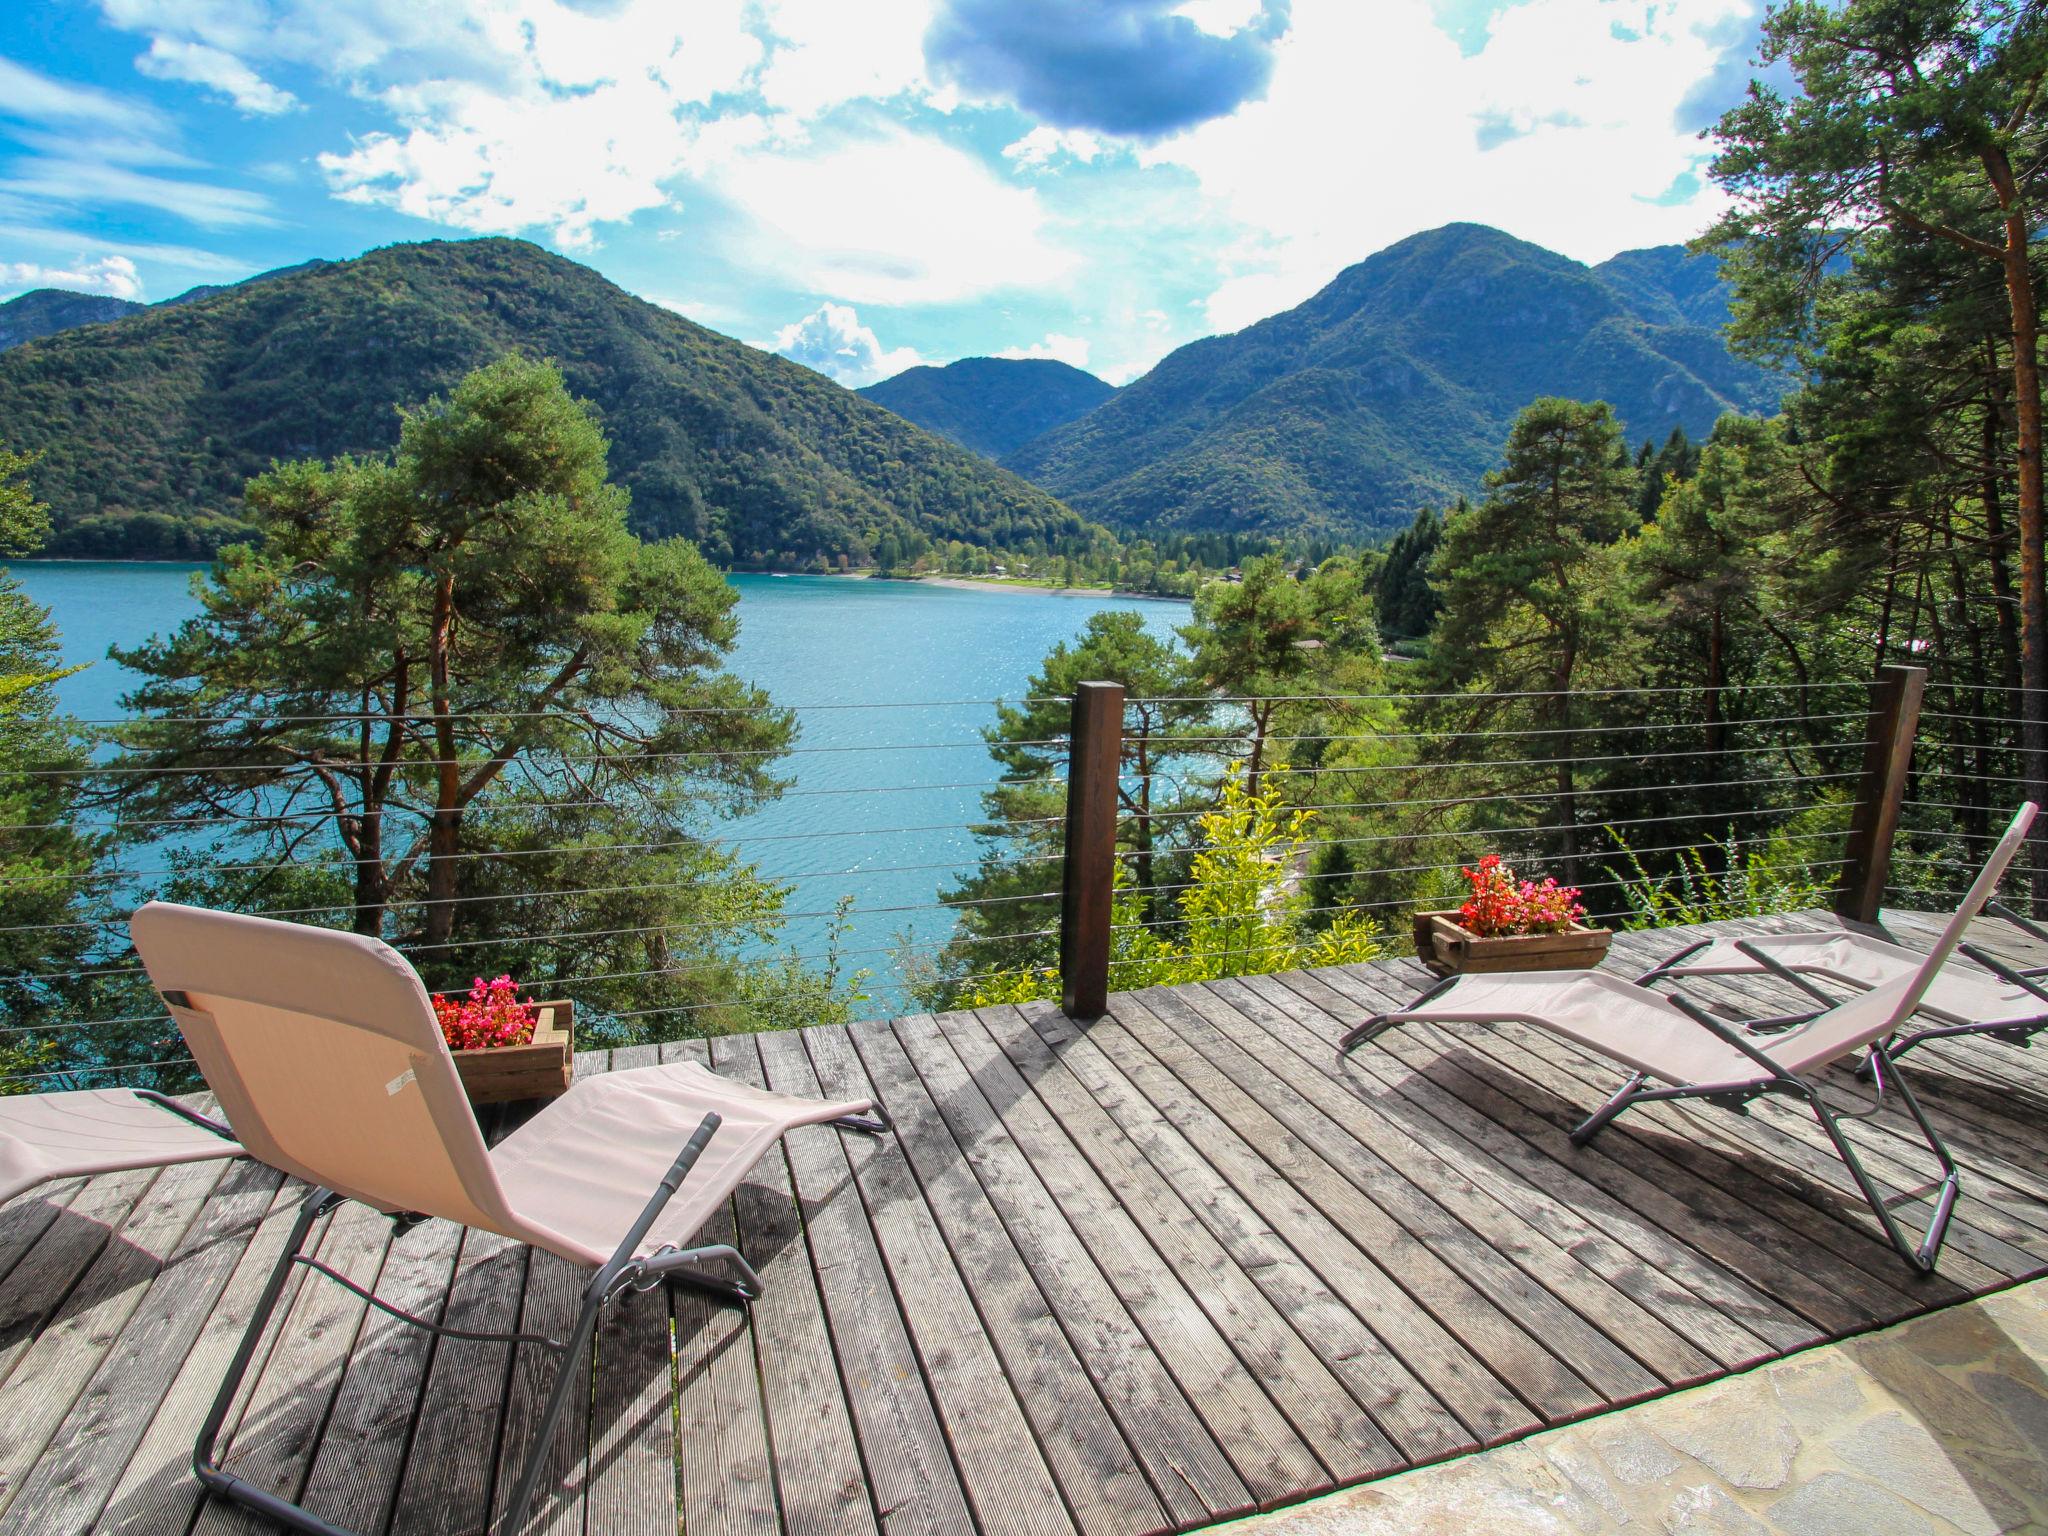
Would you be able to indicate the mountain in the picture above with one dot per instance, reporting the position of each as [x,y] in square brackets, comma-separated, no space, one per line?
[149,428]
[991,404]
[208,290]
[45,311]
[1394,387]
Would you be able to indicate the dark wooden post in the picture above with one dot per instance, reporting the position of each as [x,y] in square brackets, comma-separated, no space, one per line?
[1088,883]
[1894,718]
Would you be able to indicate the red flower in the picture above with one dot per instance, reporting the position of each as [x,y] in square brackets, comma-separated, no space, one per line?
[491,1016]
[1501,905]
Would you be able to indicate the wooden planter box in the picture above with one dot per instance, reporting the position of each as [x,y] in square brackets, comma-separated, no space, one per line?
[537,1071]
[1448,947]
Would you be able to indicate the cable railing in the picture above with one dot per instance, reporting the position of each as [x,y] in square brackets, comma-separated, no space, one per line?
[625,889]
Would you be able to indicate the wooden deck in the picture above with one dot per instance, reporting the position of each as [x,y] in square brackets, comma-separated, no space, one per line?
[1142,1275]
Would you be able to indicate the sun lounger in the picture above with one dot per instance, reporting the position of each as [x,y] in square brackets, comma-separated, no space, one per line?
[1677,1049]
[47,1136]
[2001,1000]
[323,1050]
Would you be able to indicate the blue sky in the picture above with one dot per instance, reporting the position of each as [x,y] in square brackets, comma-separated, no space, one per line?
[862,184]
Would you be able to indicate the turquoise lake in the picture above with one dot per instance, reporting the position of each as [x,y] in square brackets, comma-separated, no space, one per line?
[866,823]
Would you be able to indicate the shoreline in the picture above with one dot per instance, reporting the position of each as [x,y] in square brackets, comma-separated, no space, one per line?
[961,583]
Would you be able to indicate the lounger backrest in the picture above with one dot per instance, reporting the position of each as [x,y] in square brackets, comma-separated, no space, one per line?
[1853,1024]
[324,1053]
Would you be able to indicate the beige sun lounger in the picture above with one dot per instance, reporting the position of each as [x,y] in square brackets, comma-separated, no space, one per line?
[323,1050]
[2000,1000]
[60,1135]
[1677,1049]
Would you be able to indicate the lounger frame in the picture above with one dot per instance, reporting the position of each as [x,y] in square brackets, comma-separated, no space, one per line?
[1921,1254]
[623,1273]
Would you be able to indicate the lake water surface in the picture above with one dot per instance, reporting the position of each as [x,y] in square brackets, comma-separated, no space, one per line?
[922,663]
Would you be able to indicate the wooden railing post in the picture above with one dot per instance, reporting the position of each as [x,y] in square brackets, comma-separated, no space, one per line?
[1894,718]
[1088,881]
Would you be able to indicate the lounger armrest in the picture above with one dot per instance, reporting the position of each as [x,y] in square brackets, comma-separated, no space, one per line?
[204,1122]
[2002,971]
[671,1181]
[2026,925]
[1731,1036]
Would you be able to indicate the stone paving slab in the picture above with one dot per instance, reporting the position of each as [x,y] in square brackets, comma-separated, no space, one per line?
[1935,1427]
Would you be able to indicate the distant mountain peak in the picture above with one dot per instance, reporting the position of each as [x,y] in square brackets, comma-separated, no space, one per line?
[991,404]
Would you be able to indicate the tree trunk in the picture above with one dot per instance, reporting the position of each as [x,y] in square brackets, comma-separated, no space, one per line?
[2026,400]
[445,833]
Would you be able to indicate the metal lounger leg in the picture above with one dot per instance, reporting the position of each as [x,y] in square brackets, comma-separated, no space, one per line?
[208,1470]
[875,1123]
[1624,1096]
[1922,1255]
[1379,1023]
[567,1376]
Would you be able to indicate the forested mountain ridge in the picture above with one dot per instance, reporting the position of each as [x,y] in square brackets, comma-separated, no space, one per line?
[991,404]
[1394,387]
[149,428]
[45,311]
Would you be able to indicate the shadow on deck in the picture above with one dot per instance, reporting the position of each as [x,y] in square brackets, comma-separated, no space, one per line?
[1138,1275]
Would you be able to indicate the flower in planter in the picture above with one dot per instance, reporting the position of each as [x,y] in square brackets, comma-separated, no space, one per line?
[491,1016]
[1501,905]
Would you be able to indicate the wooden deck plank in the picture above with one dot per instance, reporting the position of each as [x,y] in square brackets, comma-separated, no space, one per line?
[156,1492]
[69,1484]
[67,1351]
[817,1486]
[632,1423]
[723,1459]
[354,1478]
[911,1477]
[548,1307]
[272,1442]
[1407,1412]
[990,1347]
[1343,1436]
[1191,1474]
[1543,1381]
[1728,1318]
[35,1288]
[445,1486]
[1620,1349]
[1339,1255]
[1166,1303]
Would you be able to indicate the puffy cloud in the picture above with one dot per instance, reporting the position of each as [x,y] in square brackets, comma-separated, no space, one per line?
[887,217]
[1137,67]
[1043,145]
[112,275]
[1559,129]
[1071,350]
[829,52]
[217,70]
[483,160]
[832,340]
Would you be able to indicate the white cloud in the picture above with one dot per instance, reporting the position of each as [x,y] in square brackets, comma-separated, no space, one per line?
[888,218]
[1560,130]
[1042,145]
[835,51]
[70,181]
[832,340]
[112,275]
[1071,350]
[483,160]
[217,70]
[28,96]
